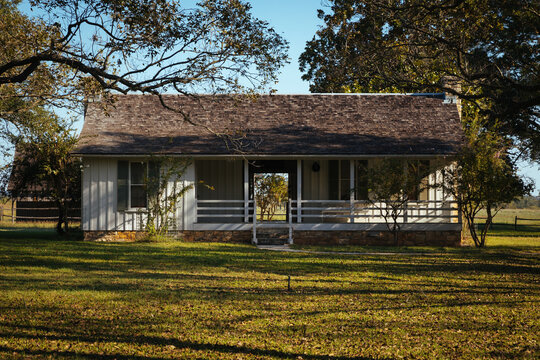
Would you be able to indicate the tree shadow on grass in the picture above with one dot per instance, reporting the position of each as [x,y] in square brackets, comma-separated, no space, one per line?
[164,342]
[159,262]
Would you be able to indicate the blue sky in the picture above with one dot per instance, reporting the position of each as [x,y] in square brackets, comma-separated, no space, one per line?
[296,21]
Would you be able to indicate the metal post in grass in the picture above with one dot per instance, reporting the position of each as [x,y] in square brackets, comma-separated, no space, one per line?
[515,223]
[290,222]
[289,283]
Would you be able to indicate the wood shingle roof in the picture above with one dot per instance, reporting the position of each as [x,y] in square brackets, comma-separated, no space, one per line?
[325,124]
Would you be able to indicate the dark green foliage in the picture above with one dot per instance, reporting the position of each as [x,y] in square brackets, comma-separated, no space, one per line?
[483,178]
[490,47]
[271,192]
[525,202]
[391,183]
[165,191]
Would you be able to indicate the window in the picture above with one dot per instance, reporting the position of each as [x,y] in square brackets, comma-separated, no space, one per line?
[361,180]
[339,179]
[137,187]
[421,170]
[132,188]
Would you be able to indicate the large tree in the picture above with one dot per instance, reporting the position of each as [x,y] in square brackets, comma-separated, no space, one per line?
[489,46]
[42,164]
[63,51]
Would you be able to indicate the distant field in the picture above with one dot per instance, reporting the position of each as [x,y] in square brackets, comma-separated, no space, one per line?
[504,222]
[507,216]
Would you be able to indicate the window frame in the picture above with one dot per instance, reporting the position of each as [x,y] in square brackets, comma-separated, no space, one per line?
[421,164]
[130,184]
[358,163]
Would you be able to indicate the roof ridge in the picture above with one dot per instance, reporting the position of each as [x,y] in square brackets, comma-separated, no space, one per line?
[311,94]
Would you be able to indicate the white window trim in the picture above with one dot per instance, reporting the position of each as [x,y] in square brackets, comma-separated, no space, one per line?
[129,207]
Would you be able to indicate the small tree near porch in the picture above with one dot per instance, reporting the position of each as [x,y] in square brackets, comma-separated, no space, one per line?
[165,190]
[391,184]
[483,178]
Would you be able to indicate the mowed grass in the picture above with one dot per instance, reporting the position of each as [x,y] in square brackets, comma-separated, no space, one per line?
[80,300]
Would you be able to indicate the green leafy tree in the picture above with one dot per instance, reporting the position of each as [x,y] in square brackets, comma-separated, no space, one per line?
[391,184]
[483,178]
[66,51]
[165,191]
[43,163]
[271,191]
[490,47]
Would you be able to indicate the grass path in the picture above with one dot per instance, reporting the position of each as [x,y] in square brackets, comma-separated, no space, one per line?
[77,300]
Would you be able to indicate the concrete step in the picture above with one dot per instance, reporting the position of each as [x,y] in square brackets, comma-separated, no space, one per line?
[272,236]
[272,241]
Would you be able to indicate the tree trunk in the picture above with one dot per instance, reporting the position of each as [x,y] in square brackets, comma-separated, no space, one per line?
[487,226]
[395,228]
[61,218]
[472,230]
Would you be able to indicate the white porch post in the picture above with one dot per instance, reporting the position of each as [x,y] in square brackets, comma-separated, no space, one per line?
[190,201]
[299,190]
[351,188]
[246,191]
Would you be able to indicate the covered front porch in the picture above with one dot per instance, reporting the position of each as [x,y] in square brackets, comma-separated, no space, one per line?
[325,196]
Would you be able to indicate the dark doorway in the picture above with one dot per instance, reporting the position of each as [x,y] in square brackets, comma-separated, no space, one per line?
[285,167]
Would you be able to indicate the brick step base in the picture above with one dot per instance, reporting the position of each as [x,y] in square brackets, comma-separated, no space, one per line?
[272,236]
[266,241]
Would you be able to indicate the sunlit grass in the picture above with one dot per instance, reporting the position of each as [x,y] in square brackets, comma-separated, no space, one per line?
[72,299]
[528,223]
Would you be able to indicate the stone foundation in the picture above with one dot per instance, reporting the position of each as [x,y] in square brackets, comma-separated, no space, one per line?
[378,238]
[382,238]
[238,236]
[126,236]
[243,237]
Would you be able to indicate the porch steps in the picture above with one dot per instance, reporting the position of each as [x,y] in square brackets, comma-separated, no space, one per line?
[272,236]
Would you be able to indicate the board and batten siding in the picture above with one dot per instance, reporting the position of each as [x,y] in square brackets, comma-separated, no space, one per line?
[315,184]
[99,199]
[220,180]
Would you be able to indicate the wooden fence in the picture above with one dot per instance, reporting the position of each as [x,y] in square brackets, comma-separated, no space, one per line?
[524,219]
[31,211]
[515,223]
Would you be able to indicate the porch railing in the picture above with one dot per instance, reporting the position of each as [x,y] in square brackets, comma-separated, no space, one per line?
[224,211]
[362,211]
[331,211]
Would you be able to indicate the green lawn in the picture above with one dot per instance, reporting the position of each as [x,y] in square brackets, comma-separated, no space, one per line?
[71,299]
